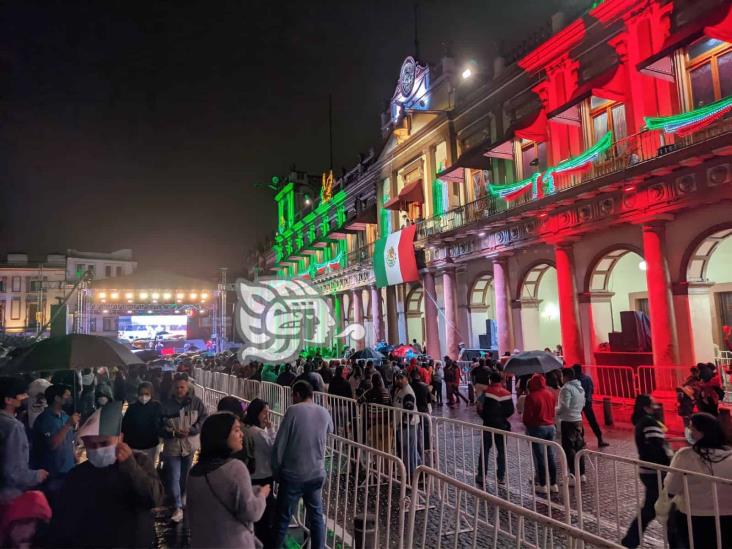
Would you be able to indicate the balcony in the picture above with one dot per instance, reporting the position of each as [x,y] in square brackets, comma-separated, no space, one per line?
[362,255]
[643,148]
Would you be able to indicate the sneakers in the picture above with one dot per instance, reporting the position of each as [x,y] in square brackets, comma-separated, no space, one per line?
[539,489]
[177,516]
[555,489]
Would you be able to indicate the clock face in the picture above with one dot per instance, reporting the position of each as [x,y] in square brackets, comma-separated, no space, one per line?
[406,76]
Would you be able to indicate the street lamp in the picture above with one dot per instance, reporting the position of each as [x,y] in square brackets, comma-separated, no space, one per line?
[467,73]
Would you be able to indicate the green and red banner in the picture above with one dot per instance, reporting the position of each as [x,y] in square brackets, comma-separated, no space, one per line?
[394,259]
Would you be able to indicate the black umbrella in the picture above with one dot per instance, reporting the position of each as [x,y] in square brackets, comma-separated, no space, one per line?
[72,352]
[532,362]
[367,354]
[146,355]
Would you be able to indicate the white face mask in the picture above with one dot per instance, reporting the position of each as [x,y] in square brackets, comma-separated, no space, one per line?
[689,436]
[102,401]
[144,399]
[102,457]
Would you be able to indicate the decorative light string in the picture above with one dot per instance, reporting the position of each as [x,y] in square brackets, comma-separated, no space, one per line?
[692,121]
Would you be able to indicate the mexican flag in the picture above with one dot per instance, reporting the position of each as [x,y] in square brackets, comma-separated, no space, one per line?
[394,260]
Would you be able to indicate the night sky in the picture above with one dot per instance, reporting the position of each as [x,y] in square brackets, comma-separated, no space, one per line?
[145,125]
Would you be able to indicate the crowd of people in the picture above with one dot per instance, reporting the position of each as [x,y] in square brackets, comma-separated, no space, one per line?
[119,444]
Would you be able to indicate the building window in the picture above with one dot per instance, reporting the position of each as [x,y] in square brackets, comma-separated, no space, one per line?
[607,115]
[93,324]
[92,269]
[16,283]
[3,283]
[109,323]
[15,309]
[709,66]
[107,271]
[533,157]
[36,285]
[119,271]
[80,270]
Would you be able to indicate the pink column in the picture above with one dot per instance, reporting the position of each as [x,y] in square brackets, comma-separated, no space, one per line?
[452,337]
[663,322]
[503,305]
[568,315]
[377,316]
[391,316]
[358,313]
[430,315]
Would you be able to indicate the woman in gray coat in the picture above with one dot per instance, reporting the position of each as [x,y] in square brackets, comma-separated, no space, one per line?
[222,504]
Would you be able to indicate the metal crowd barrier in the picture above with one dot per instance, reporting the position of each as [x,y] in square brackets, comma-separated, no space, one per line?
[470,453]
[456,514]
[611,501]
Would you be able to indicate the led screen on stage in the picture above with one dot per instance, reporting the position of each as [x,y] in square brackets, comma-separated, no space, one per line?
[147,326]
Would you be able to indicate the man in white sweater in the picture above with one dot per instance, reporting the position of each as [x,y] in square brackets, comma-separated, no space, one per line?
[570,403]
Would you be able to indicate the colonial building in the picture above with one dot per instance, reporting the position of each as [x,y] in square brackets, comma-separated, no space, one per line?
[591,176]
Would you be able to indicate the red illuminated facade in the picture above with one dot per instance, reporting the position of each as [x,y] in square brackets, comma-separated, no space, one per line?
[527,222]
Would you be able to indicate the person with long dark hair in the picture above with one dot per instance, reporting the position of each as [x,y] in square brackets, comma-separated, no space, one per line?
[222,504]
[259,437]
[650,440]
[708,454]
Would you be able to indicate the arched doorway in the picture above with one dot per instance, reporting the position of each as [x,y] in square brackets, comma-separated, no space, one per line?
[482,307]
[616,283]
[540,308]
[709,284]
[415,315]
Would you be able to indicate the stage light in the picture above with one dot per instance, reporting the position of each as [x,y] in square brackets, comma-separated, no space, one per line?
[155,295]
[167,295]
[115,295]
[180,295]
[194,295]
[143,295]
[467,73]
[129,295]
[643,265]
[204,295]
[102,295]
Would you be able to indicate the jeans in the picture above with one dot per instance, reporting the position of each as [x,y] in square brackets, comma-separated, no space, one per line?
[288,495]
[408,446]
[647,513]
[176,473]
[485,453]
[545,432]
[573,440]
[589,412]
[437,390]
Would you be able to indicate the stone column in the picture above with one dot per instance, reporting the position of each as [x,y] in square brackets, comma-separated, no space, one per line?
[463,311]
[377,316]
[503,305]
[358,314]
[568,315]
[430,315]
[452,337]
[391,316]
[663,322]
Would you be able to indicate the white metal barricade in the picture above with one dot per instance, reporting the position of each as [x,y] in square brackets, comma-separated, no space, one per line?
[345,413]
[364,496]
[616,382]
[456,514]
[660,378]
[273,395]
[210,397]
[248,389]
[532,473]
[610,503]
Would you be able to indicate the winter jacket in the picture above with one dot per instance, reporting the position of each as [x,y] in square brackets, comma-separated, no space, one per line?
[588,386]
[539,404]
[571,401]
[340,387]
[496,406]
[15,474]
[651,442]
[189,413]
[142,423]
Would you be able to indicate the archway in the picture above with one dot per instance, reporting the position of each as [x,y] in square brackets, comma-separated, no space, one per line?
[709,284]
[540,326]
[482,307]
[414,308]
[615,283]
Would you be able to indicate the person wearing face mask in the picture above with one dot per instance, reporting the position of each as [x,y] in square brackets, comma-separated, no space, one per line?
[108,497]
[102,395]
[143,421]
[53,434]
[650,439]
[694,496]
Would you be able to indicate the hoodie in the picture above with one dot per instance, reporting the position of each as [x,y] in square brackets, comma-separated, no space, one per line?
[571,401]
[540,403]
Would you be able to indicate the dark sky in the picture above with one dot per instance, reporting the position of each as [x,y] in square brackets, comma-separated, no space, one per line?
[144,125]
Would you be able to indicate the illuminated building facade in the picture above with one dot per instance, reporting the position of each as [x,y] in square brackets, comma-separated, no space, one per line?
[591,175]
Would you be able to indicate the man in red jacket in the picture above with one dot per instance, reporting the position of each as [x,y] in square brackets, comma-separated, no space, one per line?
[539,420]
